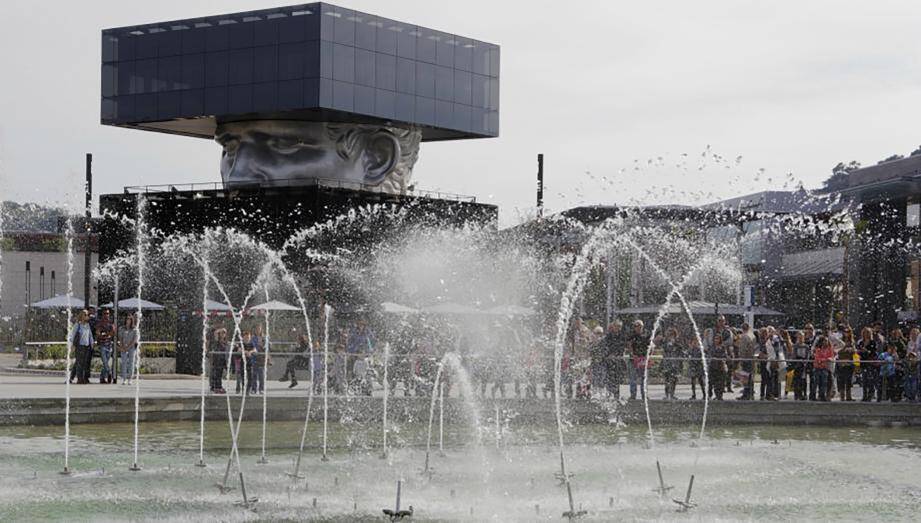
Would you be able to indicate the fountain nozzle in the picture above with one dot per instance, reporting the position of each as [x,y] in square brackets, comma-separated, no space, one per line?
[684,506]
[396,514]
[662,489]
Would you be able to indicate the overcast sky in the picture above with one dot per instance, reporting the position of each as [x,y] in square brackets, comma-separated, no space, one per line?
[613,93]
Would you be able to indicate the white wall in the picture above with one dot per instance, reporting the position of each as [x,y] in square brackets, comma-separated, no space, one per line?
[13,300]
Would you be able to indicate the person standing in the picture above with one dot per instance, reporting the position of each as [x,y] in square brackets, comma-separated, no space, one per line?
[127,345]
[823,354]
[613,346]
[82,342]
[844,369]
[801,353]
[671,362]
[639,346]
[747,346]
[299,361]
[717,367]
[218,352]
[722,328]
[809,338]
[695,367]
[105,335]
[867,349]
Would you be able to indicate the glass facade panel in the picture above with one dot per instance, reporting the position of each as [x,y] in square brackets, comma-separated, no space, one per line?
[290,94]
[240,67]
[265,32]
[193,41]
[444,50]
[193,71]
[193,101]
[240,99]
[425,80]
[125,79]
[145,80]
[387,31]
[108,80]
[242,35]
[343,96]
[364,67]
[169,43]
[463,53]
[217,38]
[480,91]
[145,106]
[344,27]
[364,99]
[425,110]
[169,73]
[405,107]
[146,46]
[216,100]
[406,76]
[463,87]
[406,41]
[425,46]
[109,45]
[385,104]
[480,57]
[444,113]
[385,75]
[264,97]
[216,68]
[291,61]
[444,83]
[343,63]
[366,32]
[266,64]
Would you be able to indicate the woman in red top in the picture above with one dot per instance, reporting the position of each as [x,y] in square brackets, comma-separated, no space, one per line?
[823,354]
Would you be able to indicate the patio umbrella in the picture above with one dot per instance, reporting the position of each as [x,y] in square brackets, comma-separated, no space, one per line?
[273,306]
[395,308]
[511,310]
[218,306]
[60,302]
[451,308]
[132,303]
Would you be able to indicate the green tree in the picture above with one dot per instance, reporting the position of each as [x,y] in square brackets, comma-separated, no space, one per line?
[891,158]
[916,152]
[839,175]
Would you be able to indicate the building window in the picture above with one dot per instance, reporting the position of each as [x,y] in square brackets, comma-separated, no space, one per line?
[913,214]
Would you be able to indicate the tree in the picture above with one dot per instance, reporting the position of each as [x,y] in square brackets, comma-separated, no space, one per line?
[839,175]
[916,152]
[890,158]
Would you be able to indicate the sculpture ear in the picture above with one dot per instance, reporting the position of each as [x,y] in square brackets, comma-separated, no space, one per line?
[380,155]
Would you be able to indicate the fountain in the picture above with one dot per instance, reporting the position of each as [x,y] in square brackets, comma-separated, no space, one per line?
[397,514]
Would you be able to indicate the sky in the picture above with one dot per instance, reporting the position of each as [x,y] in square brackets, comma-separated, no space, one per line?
[630,102]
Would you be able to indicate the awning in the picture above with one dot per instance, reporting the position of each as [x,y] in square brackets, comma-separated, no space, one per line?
[132,303]
[60,302]
[701,307]
[273,306]
[813,264]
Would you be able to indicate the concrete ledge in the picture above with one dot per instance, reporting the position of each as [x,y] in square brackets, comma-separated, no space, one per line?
[364,409]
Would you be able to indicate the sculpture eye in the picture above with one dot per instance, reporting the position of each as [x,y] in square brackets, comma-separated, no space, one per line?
[230,146]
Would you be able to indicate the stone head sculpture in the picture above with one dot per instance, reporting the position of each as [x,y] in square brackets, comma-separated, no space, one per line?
[293,152]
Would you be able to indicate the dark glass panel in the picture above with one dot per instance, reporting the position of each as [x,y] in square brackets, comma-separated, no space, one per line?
[266,64]
[385,104]
[386,72]
[216,68]
[291,61]
[240,99]
[444,83]
[240,69]
[444,113]
[364,100]
[290,94]
[364,67]
[193,40]
[463,87]
[265,97]
[366,32]
[169,43]
[343,96]
[193,102]
[406,76]
[425,110]
[242,35]
[405,107]
[217,38]
[216,101]
[343,63]
[193,71]
[425,80]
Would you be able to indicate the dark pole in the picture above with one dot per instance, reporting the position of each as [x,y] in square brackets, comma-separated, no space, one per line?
[41,282]
[88,228]
[540,185]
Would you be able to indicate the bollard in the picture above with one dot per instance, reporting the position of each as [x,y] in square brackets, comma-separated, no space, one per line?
[354,506]
[611,501]
[452,493]
[537,509]
[471,511]
[336,481]
[314,502]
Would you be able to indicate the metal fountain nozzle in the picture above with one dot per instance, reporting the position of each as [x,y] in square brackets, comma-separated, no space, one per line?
[686,504]
[662,489]
[396,514]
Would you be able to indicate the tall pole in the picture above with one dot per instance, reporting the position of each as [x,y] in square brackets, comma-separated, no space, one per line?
[540,185]
[88,229]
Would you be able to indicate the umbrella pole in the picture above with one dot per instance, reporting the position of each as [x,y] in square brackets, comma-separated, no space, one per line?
[115,354]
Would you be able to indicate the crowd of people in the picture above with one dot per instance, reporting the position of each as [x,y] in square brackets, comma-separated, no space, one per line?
[92,336]
[769,363]
[805,363]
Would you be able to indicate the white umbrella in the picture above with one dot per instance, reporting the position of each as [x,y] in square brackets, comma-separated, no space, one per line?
[132,303]
[511,310]
[451,308]
[273,305]
[60,302]
[396,308]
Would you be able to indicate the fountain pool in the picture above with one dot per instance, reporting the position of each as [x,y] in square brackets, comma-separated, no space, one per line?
[755,472]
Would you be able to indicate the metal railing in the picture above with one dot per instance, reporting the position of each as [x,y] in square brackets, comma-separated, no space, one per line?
[290,182]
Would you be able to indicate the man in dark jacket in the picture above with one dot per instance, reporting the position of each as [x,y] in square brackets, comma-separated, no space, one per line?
[613,345]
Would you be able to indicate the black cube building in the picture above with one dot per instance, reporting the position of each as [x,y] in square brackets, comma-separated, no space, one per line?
[314,62]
